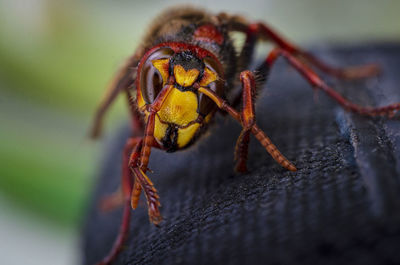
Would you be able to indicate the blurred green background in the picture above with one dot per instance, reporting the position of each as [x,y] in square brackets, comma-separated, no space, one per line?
[56,58]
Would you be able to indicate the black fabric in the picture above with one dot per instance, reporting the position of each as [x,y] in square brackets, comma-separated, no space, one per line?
[342,206]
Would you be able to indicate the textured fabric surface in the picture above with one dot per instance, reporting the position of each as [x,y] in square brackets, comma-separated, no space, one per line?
[342,206]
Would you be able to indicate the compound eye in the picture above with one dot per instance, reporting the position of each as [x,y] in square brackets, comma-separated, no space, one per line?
[151,84]
[154,74]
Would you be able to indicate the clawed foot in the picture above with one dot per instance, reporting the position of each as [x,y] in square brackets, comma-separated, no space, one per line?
[154,212]
[152,197]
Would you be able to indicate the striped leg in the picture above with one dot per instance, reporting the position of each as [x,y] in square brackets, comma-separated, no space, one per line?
[354,72]
[264,32]
[247,118]
[117,198]
[317,82]
[126,191]
[139,167]
[255,130]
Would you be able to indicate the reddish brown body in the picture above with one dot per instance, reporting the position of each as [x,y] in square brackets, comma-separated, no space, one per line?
[184,71]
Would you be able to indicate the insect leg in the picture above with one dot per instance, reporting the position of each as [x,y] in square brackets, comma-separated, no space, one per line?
[265,32]
[255,130]
[122,234]
[117,198]
[124,79]
[126,190]
[135,191]
[152,197]
[135,196]
[139,168]
[316,82]
[247,118]
[241,150]
[354,72]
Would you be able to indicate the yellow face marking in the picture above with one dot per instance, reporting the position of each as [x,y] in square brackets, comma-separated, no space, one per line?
[179,107]
[208,77]
[159,129]
[162,66]
[183,77]
[186,134]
